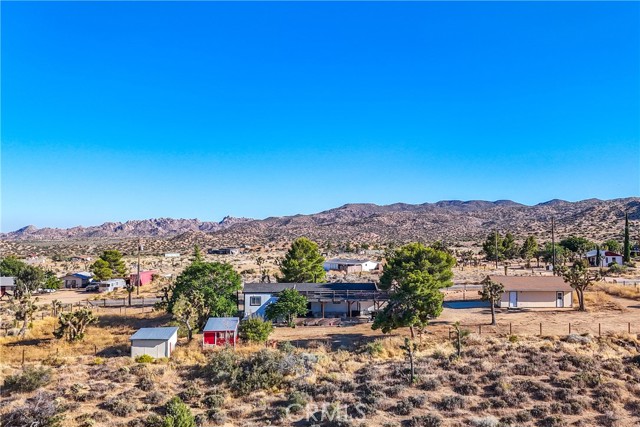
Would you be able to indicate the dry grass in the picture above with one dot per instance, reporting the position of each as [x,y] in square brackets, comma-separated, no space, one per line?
[628,292]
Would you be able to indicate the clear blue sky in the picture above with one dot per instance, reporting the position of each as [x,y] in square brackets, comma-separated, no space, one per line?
[117,111]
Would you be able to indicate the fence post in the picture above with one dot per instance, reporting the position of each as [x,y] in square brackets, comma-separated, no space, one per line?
[569,328]
[629,327]
[23,350]
[95,350]
[599,329]
[449,332]
[104,302]
[510,329]
[540,328]
[479,329]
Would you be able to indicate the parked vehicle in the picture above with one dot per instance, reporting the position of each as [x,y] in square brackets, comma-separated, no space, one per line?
[111,285]
[92,287]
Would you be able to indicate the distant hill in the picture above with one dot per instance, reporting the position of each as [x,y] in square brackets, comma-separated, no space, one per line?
[453,221]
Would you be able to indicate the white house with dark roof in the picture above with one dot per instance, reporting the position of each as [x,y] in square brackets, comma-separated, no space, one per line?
[606,258]
[325,299]
[156,342]
[349,265]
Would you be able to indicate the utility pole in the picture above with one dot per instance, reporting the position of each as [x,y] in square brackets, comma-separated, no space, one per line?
[496,239]
[138,276]
[553,245]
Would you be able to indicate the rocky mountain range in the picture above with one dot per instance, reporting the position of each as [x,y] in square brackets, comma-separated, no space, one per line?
[459,222]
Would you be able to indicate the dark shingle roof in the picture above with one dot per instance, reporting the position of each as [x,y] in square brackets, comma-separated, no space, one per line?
[270,288]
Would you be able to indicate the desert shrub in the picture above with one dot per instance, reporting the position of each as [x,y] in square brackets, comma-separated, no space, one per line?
[418,401]
[373,348]
[154,398]
[485,422]
[587,379]
[465,369]
[296,401]
[178,414]
[394,390]
[451,403]
[222,367]
[30,379]
[79,393]
[120,375]
[513,339]
[120,406]
[466,389]
[428,420]
[262,370]
[146,384]
[430,384]
[537,390]
[191,394]
[551,421]
[255,330]
[494,375]
[286,347]
[523,416]
[403,407]
[525,369]
[213,401]
[539,411]
[144,358]
[40,410]
[216,417]
[569,361]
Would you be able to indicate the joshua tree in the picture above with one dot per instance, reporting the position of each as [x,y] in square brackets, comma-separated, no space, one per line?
[492,292]
[458,338]
[409,348]
[579,277]
[73,325]
[23,309]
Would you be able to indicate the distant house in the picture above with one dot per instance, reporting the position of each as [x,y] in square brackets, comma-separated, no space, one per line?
[145,277]
[349,265]
[77,280]
[534,292]
[7,286]
[325,299]
[221,331]
[606,258]
[224,251]
[172,255]
[156,342]
[81,258]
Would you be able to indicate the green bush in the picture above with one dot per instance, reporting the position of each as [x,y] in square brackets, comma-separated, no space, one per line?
[178,414]
[255,330]
[144,358]
[374,348]
[30,379]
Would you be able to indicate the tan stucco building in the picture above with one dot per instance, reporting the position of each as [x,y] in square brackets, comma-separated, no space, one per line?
[534,292]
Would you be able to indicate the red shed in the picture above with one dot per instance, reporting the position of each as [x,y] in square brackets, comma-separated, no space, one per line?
[221,331]
[145,277]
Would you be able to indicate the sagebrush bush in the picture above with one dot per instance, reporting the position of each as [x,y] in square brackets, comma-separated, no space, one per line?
[466,389]
[451,403]
[30,379]
[489,421]
[428,420]
[255,330]
[154,398]
[296,401]
[40,410]
[120,406]
[213,401]
[178,414]
[144,358]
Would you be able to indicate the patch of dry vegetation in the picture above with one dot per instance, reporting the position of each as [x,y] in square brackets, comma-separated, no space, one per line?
[622,291]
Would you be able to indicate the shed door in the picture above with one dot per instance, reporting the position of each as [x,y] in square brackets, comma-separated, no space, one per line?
[560,299]
[513,299]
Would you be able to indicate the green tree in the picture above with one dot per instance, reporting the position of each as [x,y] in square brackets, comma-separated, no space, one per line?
[72,326]
[414,275]
[290,304]
[255,329]
[580,278]
[489,247]
[10,266]
[529,250]
[612,245]
[109,265]
[51,281]
[302,263]
[215,282]
[578,246]
[547,253]
[627,245]
[509,247]
[197,254]
[178,414]
[492,292]
[101,270]
[28,280]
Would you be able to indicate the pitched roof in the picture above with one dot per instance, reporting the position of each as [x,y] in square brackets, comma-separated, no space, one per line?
[221,324]
[270,288]
[7,281]
[163,333]
[594,252]
[83,274]
[532,283]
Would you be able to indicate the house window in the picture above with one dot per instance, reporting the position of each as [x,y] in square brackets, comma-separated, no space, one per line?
[255,301]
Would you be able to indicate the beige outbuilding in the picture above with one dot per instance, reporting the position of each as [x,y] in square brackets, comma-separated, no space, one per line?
[534,292]
[155,342]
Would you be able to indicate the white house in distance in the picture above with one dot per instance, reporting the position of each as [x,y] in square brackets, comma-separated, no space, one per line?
[349,265]
[534,292]
[77,280]
[156,342]
[606,258]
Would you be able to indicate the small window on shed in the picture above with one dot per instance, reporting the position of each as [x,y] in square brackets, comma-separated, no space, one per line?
[255,301]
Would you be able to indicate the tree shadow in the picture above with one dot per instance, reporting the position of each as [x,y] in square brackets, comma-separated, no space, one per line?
[116,350]
[134,322]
